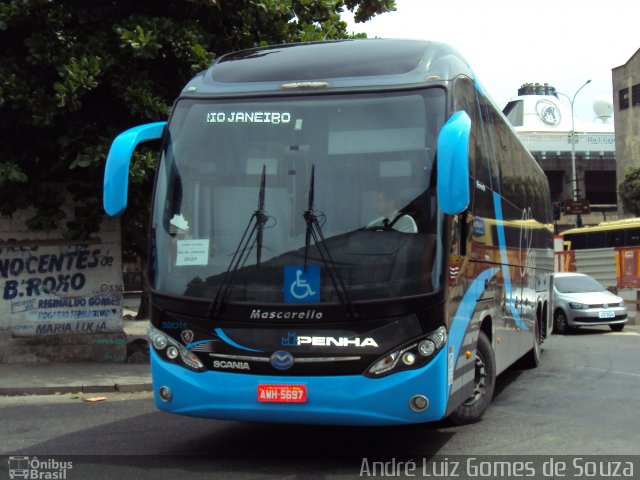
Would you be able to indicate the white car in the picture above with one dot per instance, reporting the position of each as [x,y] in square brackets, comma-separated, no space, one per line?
[580,300]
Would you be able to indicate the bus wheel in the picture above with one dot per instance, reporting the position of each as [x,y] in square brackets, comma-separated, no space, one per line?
[532,358]
[560,323]
[474,407]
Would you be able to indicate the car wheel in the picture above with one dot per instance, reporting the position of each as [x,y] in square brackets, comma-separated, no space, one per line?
[561,324]
[472,409]
[617,327]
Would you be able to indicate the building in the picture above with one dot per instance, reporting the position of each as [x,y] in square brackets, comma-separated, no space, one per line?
[626,92]
[545,125]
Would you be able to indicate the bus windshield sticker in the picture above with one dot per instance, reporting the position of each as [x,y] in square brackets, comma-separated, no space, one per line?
[301,285]
[273,118]
[192,252]
[178,224]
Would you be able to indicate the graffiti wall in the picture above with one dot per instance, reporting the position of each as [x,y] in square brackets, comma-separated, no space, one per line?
[52,287]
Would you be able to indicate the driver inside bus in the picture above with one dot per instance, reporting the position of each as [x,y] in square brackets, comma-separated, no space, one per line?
[391,217]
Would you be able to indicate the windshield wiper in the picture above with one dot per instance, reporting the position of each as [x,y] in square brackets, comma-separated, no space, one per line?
[309,216]
[260,216]
[314,230]
[256,225]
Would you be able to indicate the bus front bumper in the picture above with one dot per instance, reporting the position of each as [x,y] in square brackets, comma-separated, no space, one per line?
[331,400]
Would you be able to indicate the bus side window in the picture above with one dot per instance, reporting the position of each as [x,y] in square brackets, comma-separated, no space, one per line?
[615,238]
[633,237]
[596,240]
[566,245]
[579,241]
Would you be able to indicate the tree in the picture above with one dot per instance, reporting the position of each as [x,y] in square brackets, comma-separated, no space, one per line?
[629,190]
[75,73]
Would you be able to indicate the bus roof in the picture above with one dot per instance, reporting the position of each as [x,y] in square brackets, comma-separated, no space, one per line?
[330,65]
[604,226]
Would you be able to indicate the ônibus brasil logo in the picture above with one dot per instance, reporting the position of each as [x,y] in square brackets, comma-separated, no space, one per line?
[37,469]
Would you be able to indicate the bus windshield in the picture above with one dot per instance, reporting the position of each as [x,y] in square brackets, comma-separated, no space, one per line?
[249,188]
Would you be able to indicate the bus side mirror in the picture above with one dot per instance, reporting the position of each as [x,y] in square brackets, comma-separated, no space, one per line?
[116,171]
[453,164]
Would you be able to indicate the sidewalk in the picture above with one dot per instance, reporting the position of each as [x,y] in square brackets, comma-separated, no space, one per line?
[52,378]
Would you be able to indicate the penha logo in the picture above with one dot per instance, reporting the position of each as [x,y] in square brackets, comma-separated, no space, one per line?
[295,340]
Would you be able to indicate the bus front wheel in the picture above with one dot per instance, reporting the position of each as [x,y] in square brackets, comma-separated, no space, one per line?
[474,407]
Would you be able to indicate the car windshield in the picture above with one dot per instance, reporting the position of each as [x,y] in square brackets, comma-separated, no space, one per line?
[577,284]
[248,189]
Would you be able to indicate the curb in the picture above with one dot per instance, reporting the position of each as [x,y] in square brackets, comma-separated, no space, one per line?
[84,378]
[129,388]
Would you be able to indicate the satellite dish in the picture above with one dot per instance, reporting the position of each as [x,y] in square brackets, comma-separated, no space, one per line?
[603,109]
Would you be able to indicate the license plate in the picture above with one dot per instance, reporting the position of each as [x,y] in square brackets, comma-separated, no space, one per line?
[606,314]
[282,393]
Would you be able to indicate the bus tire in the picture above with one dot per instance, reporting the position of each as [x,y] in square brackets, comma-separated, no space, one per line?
[472,409]
[531,359]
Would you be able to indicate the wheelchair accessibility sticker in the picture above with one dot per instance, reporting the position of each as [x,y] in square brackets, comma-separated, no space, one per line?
[300,285]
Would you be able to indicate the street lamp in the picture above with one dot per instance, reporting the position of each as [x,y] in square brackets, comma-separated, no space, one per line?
[573,148]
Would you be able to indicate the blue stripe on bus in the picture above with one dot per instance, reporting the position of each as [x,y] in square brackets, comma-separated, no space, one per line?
[223,336]
[467,306]
[200,342]
[497,201]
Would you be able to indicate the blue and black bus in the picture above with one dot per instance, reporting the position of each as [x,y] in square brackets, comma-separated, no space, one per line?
[319,238]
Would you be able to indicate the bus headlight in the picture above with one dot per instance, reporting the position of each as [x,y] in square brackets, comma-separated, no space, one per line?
[385,364]
[414,355]
[176,352]
[408,358]
[158,339]
[426,348]
[172,353]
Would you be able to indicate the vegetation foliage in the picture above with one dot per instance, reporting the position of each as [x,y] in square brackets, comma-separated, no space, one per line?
[75,73]
[629,191]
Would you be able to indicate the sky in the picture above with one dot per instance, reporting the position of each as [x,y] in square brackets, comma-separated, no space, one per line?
[508,43]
